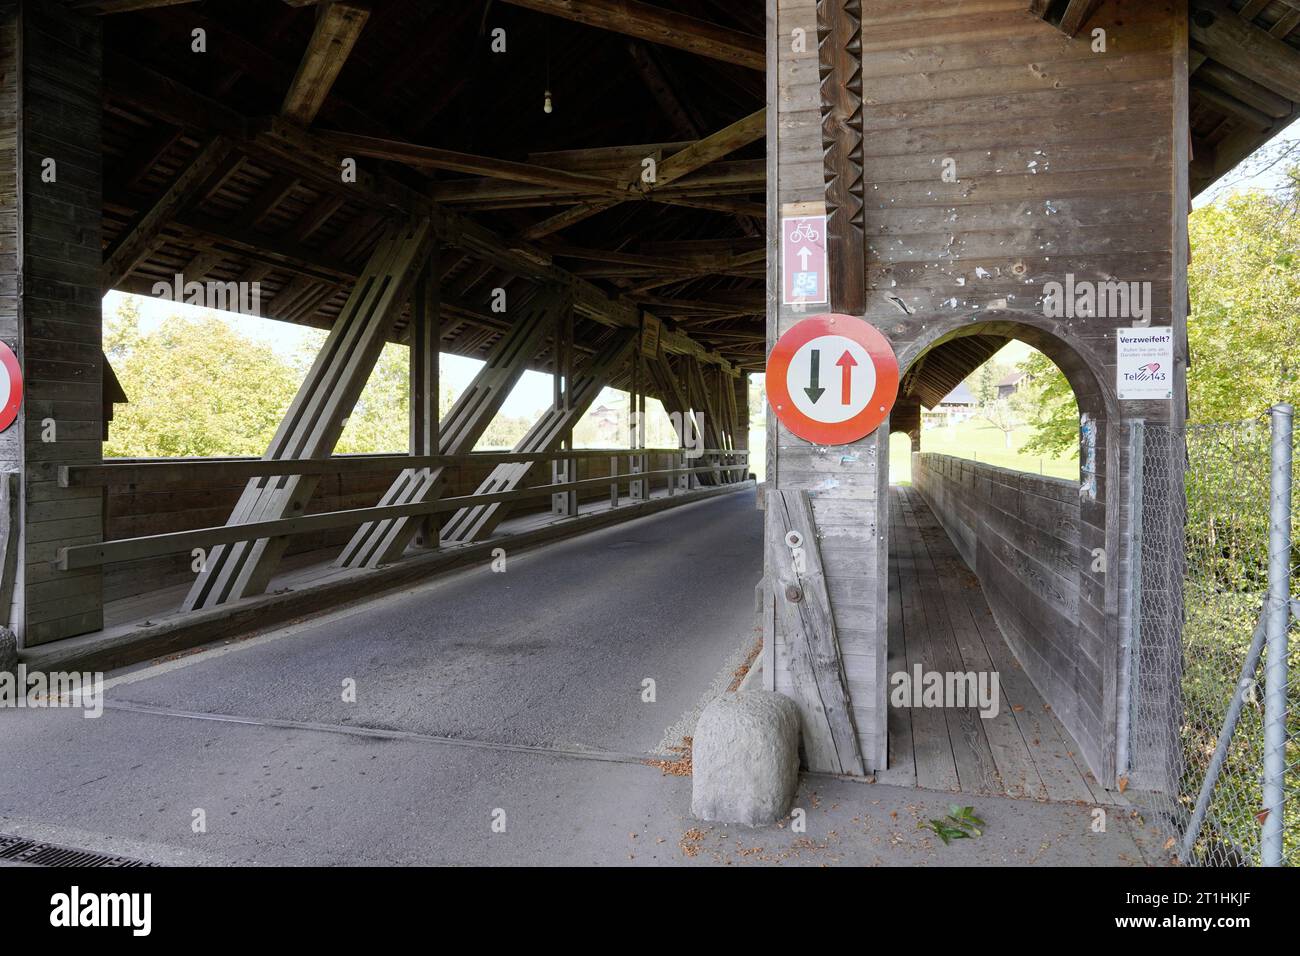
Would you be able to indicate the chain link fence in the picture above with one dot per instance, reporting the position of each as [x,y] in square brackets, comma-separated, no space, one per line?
[1194,755]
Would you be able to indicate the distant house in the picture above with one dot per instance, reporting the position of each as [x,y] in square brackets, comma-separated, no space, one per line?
[1013,383]
[957,406]
[608,419]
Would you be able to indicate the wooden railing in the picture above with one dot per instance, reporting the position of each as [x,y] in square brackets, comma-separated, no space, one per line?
[172,473]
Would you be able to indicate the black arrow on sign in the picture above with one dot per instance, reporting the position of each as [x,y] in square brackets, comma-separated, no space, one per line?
[812,391]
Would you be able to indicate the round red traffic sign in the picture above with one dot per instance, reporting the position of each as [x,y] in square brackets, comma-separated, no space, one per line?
[11,386]
[832,379]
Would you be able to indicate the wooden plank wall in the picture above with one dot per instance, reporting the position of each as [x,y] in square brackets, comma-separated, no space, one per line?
[1068,160]
[58,74]
[1019,533]
[846,483]
[132,511]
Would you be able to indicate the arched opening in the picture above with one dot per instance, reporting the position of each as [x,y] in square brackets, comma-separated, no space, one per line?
[997,584]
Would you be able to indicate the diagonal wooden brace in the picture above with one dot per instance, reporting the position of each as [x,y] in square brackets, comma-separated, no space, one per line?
[798,581]
[470,524]
[315,419]
[381,542]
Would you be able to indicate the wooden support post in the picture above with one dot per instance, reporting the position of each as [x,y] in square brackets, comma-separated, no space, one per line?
[426,335]
[315,419]
[380,542]
[803,604]
[564,504]
[638,489]
[707,423]
[613,485]
[51,256]
[817,92]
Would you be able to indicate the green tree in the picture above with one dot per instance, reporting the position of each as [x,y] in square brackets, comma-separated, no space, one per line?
[380,421]
[1244,282]
[196,388]
[986,382]
[1051,409]
[1244,326]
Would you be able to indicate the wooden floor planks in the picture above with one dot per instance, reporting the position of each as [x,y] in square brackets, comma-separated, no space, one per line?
[938,618]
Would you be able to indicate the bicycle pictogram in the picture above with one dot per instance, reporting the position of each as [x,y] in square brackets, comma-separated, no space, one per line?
[804,232]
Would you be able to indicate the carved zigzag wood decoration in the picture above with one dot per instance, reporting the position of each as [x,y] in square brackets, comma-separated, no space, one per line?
[839,31]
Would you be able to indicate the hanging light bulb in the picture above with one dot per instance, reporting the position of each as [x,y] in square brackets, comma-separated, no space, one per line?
[548,105]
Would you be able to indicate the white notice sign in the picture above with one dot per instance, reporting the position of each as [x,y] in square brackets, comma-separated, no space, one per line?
[1144,362]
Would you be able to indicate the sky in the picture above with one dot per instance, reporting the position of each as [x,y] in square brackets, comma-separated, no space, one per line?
[1245,176]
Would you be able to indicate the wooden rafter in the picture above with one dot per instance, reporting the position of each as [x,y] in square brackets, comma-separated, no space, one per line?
[1076,15]
[145,232]
[722,143]
[104,7]
[431,157]
[657,25]
[565,219]
[338,24]
[1254,53]
[279,145]
[1072,18]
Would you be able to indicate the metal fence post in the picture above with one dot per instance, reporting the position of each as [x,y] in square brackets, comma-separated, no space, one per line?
[1278,624]
[1128,685]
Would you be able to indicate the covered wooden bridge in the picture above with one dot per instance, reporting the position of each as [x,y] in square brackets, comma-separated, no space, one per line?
[596,189]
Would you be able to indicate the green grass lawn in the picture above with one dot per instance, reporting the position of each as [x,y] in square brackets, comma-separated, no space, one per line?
[979,441]
[972,439]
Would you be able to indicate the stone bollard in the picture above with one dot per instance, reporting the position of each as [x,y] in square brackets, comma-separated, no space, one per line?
[745,759]
[8,651]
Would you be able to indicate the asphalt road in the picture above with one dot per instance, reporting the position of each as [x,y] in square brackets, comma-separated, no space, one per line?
[513,698]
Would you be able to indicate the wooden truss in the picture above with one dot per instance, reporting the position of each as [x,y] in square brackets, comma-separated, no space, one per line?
[381,542]
[472,524]
[316,417]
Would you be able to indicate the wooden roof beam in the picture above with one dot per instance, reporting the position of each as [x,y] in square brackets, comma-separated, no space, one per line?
[565,219]
[1076,15]
[288,145]
[338,25]
[722,143]
[1073,17]
[657,25]
[145,232]
[1254,53]
[104,7]
[1231,105]
[1247,91]
[721,178]
[432,157]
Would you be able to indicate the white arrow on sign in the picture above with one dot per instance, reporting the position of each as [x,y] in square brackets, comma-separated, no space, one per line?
[804,255]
